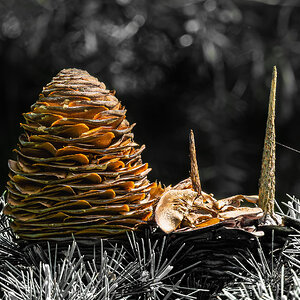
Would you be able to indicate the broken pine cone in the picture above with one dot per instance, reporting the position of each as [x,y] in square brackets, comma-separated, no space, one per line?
[186,206]
[180,209]
[78,170]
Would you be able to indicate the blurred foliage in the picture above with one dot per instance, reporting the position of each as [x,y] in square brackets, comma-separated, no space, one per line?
[176,65]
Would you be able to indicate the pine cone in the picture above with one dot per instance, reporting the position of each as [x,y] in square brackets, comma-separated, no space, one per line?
[78,171]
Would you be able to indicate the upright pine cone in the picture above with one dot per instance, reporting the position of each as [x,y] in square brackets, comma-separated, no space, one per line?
[78,170]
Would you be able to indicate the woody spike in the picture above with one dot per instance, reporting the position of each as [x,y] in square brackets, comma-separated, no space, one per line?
[267,176]
[194,173]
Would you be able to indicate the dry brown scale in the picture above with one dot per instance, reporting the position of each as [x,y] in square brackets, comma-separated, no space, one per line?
[78,170]
[186,207]
[181,208]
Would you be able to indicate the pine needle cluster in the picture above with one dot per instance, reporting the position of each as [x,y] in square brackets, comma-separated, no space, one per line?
[142,268]
[139,271]
[274,275]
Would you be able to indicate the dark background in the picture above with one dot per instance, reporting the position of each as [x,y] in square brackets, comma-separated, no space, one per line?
[176,65]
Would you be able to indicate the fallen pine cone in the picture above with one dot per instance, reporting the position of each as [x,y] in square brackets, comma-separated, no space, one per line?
[78,171]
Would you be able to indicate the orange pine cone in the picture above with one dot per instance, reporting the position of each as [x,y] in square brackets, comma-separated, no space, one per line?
[78,171]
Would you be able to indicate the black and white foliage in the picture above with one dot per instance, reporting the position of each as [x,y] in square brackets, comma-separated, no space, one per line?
[140,272]
[141,269]
[271,276]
